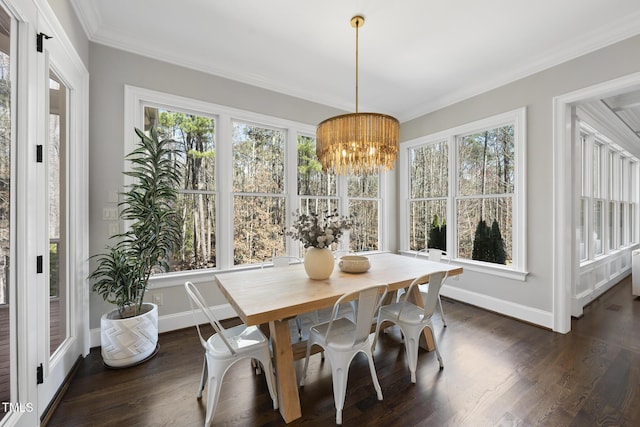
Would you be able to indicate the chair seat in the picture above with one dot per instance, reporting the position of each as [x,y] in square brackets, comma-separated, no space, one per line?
[340,336]
[240,338]
[411,313]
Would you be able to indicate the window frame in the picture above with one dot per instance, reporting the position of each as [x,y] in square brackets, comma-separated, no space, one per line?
[136,98]
[516,118]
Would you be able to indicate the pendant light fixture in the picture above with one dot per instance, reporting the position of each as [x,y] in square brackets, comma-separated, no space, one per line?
[357,143]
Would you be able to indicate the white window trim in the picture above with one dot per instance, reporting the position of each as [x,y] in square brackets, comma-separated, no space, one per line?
[135,97]
[517,118]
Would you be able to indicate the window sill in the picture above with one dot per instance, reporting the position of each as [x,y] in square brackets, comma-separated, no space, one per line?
[485,268]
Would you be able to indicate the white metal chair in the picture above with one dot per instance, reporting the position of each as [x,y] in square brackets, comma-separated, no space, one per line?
[226,347]
[412,319]
[436,255]
[342,339]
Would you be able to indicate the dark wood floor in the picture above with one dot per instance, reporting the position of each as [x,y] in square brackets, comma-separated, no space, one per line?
[498,372]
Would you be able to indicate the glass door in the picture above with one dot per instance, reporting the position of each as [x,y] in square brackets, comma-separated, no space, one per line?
[58,295]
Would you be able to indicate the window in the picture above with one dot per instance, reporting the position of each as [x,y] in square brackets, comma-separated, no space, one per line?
[364,207]
[259,202]
[428,191]
[484,201]
[244,175]
[465,192]
[609,199]
[319,191]
[194,137]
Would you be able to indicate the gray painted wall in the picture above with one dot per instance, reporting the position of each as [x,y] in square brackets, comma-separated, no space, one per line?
[111,69]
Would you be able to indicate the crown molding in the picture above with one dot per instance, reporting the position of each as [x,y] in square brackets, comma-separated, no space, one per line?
[89,17]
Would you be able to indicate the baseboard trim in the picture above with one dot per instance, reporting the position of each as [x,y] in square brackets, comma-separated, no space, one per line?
[507,308]
[172,322]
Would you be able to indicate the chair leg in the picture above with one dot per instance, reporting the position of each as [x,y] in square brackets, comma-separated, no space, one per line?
[316,320]
[435,346]
[215,383]
[444,322]
[374,376]
[375,335]
[306,364]
[271,380]
[299,326]
[411,342]
[203,379]
[339,389]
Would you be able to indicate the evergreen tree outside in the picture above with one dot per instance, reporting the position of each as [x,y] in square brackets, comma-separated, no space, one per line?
[437,234]
[482,242]
[497,243]
[488,244]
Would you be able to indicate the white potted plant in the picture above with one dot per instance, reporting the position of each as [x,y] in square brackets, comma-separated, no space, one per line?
[129,333]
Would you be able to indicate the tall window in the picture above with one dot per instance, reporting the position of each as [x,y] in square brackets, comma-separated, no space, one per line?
[428,192]
[465,191]
[364,207]
[484,201]
[244,175]
[194,137]
[259,202]
[317,190]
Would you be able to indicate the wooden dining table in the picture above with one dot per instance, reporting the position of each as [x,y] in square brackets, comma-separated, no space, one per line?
[274,295]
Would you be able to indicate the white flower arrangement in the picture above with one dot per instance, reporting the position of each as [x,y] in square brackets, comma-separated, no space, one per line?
[319,230]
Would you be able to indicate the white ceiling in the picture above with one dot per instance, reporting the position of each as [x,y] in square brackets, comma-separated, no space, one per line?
[415,55]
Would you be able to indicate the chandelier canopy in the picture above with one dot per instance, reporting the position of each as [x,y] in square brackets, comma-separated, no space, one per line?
[358,143]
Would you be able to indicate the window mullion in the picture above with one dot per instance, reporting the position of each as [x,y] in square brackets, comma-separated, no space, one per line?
[224,180]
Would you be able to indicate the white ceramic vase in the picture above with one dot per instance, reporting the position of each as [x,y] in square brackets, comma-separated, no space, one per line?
[318,263]
[129,341]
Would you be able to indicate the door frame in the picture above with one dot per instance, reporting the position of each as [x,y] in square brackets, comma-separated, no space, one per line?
[60,56]
[565,257]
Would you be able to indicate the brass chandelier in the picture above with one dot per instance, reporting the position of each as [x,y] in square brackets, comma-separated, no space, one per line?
[357,143]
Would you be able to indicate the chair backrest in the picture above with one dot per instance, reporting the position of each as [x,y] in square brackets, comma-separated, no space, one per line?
[435,280]
[433,254]
[369,301]
[282,261]
[195,297]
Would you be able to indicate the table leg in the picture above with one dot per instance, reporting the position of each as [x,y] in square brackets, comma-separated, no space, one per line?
[288,397]
[426,340]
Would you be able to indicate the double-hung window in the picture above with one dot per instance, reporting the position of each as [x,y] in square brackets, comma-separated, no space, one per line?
[465,193]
